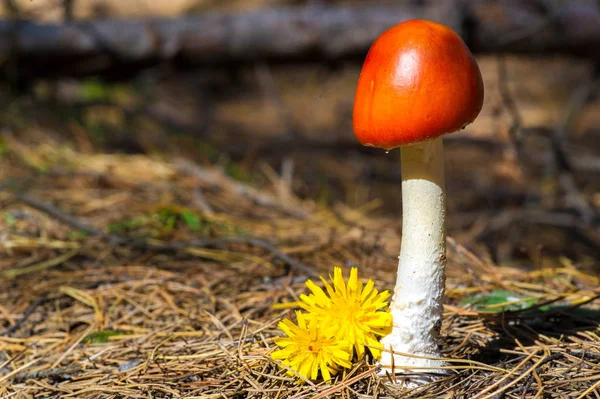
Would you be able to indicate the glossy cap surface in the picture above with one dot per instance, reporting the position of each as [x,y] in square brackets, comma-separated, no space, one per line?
[418,82]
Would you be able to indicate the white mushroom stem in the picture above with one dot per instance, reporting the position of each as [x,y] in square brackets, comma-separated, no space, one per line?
[416,305]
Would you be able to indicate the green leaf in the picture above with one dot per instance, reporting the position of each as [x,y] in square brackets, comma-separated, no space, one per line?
[191,220]
[10,219]
[100,337]
[76,235]
[498,301]
[3,147]
[94,89]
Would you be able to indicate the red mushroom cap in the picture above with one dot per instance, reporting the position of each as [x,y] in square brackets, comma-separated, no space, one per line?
[419,81]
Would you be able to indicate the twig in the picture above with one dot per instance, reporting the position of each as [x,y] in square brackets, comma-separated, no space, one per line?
[57,214]
[591,355]
[561,219]
[60,373]
[561,162]
[19,370]
[223,241]
[244,190]
[549,218]
[539,370]
[515,131]
[201,202]
[171,246]
[12,273]
[38,302]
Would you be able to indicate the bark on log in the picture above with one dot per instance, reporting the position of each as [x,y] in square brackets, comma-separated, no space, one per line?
[290,34]
[571,27]
[319,32]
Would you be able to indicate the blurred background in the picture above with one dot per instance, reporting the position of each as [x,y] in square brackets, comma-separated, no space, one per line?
[263,89]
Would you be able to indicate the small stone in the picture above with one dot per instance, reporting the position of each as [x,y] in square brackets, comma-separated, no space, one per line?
[129,365]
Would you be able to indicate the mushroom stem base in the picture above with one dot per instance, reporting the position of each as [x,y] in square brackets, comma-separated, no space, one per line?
[416,306]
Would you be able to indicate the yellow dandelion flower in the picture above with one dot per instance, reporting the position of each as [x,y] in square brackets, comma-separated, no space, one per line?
[350,311]
[307,351]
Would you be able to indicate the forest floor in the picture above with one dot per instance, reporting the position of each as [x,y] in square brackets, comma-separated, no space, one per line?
[148,228]
[136,276]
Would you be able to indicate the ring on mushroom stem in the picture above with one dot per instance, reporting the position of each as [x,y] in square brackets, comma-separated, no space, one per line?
[419,81]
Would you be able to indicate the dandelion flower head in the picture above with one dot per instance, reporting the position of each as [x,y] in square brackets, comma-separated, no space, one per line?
[350,311]
[306,349]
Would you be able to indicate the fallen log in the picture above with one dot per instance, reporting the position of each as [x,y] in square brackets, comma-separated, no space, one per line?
[214,38]
[569,27]
[287,34]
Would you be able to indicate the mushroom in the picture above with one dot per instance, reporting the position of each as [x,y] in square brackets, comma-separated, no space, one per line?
[419,81]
